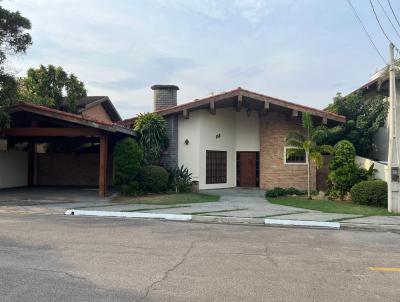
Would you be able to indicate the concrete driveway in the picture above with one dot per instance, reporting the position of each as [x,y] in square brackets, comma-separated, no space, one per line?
[53,199]
[234,202]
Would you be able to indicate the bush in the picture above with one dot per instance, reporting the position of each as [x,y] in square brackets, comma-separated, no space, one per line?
[372,193]
[294,191]
[275,192]
[127,158]
[344,172]
[182,179]
[153,179]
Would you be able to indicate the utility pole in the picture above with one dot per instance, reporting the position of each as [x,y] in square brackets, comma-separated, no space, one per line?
[394,139]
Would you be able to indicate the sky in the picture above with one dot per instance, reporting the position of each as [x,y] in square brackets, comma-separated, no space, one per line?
[304,51]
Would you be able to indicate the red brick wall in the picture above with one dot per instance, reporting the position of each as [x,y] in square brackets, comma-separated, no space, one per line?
[98,113]
[273,172]
[70,169]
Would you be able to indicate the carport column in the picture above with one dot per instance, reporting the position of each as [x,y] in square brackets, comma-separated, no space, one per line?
[32,159]
[103,166]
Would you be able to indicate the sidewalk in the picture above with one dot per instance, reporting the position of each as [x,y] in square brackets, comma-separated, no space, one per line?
[244,206]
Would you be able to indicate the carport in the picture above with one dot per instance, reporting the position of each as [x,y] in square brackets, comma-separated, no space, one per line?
[34,124]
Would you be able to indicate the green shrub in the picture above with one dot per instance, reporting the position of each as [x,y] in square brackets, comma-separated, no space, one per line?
[275,192]
[371,192]
[153,179]
[182,179]
[127,158]
[130,189]
[294,191]
[344,172]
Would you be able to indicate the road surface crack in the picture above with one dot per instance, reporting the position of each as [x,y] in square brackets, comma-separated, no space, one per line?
[57,272]
[170,270]
[268,255]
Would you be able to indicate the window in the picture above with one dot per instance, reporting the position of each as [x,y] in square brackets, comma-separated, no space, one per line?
[294,156]
[215,167]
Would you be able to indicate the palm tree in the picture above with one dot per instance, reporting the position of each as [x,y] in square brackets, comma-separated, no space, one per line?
[306,142]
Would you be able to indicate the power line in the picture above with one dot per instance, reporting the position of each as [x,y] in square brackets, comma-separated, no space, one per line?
[366,31]
[379,22]
[387,16]
[391,8]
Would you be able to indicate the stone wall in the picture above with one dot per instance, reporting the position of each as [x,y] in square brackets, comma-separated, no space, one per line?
[169,158]
[273,171]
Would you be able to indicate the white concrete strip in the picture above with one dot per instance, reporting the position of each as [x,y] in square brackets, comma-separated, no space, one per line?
[306,223]
[176,217]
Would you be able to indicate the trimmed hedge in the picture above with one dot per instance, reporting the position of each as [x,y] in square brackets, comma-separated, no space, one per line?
[277,192]
[153,179]
[372,193]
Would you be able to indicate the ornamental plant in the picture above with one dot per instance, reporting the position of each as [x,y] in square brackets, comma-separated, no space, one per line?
[153,138]
[344,172]
[306,142]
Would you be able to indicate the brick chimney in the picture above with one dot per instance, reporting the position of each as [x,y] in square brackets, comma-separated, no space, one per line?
[165,96]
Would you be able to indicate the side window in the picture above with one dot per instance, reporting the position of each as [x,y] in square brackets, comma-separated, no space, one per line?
[294,156]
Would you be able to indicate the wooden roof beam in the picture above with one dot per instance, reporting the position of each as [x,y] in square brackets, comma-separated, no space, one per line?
[51,132]
[265,109]
[185,114]
[239,102]
[212,107]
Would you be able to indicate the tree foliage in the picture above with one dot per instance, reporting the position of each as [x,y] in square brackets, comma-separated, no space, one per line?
[14,39]
[153,136]
[364,117]
[127,161]
[307,142]
[343,169]
[51,86]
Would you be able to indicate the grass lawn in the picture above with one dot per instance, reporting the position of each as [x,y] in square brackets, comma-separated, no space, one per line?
[330,206]
[168,199]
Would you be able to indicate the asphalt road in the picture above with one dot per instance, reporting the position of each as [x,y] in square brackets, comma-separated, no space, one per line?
[56,258]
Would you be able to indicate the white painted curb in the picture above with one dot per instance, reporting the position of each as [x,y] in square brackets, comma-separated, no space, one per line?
[129,215]
[320,224]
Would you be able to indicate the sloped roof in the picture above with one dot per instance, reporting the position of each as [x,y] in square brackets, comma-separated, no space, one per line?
[91,101]
[70,117]
[261,98]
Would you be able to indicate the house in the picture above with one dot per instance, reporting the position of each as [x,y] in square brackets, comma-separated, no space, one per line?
[24,163]
[236,138]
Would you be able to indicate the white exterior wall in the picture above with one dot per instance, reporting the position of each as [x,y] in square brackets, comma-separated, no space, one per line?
[238,132]
[380,167]
[13,169]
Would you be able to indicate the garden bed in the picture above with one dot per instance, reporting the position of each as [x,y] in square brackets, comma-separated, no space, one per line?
[330,206]
[168,199]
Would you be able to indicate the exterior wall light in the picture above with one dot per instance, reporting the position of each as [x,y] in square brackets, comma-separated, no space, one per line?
[248,112]
[218,136]
[186,142]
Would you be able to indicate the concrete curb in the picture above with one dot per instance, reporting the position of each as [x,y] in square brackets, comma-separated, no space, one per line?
[303,223]
[370,227]
[129,215]
[240,220]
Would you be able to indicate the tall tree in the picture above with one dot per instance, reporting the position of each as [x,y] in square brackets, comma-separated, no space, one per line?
[363,115]
[51,86]
[301,142]
[14,39]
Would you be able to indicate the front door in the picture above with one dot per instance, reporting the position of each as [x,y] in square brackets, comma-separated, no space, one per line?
[247,169]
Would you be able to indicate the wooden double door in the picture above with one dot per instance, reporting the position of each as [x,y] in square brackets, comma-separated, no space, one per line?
[247,167]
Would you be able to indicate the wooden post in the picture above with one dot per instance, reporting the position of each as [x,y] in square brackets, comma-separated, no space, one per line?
[31,164]
[103,166]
